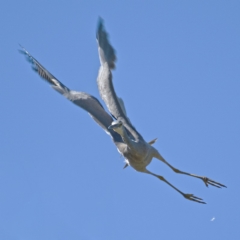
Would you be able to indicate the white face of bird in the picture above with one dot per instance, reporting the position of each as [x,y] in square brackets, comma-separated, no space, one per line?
[117,126]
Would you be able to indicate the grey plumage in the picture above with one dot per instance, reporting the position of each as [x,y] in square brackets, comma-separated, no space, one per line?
[84,100]
[129,142]
[138,153]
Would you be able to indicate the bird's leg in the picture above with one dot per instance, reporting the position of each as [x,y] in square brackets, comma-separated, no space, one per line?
[188,196]
[205,179]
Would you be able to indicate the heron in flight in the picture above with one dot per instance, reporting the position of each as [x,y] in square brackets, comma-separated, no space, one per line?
[137,152]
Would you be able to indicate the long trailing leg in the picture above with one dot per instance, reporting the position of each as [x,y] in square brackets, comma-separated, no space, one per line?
[188,196]
[206,180]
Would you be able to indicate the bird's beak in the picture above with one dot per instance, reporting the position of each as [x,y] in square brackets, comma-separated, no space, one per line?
[110,127]
[115,125]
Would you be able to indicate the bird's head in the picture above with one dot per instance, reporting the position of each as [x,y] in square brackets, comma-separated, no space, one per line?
[117,126]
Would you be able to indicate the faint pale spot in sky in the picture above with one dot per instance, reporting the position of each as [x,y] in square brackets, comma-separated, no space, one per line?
[212,219]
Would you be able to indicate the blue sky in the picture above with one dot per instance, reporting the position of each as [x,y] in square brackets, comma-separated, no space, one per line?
[178,73]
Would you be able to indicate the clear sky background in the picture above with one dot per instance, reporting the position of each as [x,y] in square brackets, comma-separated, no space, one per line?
[178,72]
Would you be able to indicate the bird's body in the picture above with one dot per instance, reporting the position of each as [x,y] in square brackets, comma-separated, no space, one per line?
[138,153]
[129,142]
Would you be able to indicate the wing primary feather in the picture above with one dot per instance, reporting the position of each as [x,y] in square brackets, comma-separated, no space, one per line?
[81,99]
[105,50]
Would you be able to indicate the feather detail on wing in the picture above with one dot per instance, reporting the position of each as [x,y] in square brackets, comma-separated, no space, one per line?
[104,81]
[105,50]
[82,99]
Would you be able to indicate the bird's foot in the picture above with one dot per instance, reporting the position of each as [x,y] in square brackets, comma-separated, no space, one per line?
[211,182]
[191,197]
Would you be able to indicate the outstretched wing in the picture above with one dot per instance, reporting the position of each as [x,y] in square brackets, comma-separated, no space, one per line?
[81,99]
[104,80]
[105,50]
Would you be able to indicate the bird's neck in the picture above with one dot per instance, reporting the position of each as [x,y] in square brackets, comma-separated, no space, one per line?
[126,139]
